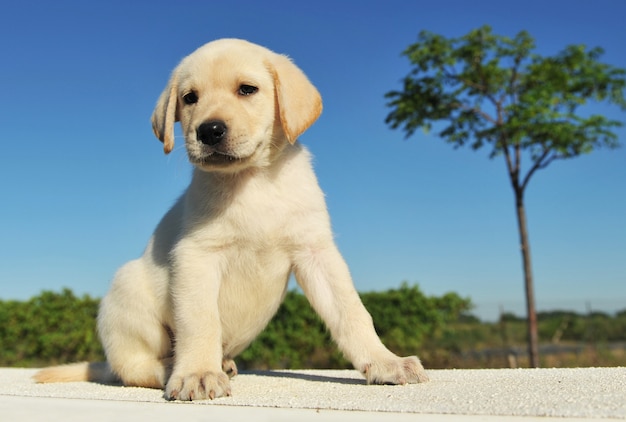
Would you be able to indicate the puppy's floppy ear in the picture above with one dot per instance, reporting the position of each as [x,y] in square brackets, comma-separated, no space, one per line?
[166,114]
[299,103]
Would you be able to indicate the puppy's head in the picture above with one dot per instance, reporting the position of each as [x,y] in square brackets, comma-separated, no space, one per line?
[237,103]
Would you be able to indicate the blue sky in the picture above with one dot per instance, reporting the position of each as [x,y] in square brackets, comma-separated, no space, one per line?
[84,181]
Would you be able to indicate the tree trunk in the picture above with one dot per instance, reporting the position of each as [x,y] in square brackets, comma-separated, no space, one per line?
[533,339]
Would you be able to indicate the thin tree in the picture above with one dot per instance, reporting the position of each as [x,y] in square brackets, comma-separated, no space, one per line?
[493,91]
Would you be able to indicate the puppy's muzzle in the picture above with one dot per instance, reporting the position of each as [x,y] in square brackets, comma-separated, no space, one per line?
[212,132]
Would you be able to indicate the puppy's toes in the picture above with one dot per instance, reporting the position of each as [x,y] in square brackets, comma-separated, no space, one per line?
[229,367]
[200,386]
[414,370]
[408,370]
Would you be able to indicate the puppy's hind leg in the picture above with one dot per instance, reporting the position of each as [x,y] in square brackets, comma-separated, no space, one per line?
[136,341]
[229,367]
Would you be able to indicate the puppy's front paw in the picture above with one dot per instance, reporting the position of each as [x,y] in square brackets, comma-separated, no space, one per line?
[407,370]
[200,386]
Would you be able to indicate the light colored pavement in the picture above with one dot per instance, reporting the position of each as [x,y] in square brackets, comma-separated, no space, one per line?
[452,395]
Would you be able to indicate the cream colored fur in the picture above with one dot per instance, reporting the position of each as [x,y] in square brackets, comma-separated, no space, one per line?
[216,269]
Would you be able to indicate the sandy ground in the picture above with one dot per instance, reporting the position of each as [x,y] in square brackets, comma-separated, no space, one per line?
[452,395]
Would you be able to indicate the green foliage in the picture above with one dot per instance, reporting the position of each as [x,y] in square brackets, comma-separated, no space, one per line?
[60,327]
[493,90]
[55,328]
[49,328]
[295,338]
[404,318]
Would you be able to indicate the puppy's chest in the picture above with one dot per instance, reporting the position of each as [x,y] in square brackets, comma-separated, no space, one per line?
[256,213]
[258,224]
[254,221]
[254,239]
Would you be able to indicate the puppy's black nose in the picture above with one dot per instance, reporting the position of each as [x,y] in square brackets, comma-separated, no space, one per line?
[212,132]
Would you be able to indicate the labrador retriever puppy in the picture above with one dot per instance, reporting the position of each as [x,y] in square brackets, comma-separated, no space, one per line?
[217,267]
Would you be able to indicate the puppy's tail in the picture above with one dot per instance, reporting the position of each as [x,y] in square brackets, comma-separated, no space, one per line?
[75,372]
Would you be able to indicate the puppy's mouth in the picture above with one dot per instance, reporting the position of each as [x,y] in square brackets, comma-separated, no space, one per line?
[217,158]
[221,160]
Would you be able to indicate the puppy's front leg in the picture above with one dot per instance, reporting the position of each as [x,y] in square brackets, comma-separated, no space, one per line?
[324,276]
[197,372]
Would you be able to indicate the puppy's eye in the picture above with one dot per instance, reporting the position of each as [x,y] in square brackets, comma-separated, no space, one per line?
[190,98]
[246,90]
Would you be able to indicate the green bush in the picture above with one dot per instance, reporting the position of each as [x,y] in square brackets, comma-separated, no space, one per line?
[48,329]
[404,318]
[54,328]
